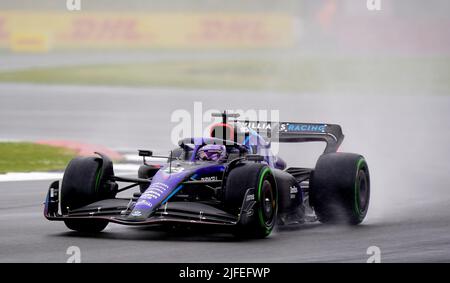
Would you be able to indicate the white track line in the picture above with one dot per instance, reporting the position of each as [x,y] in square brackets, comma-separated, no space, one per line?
[126,167]
[120,169]
[30,176]
[137,158]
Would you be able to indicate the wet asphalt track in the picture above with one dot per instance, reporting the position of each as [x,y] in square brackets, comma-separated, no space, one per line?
[404,138]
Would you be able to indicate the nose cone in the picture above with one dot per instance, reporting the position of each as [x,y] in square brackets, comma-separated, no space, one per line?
[165,183]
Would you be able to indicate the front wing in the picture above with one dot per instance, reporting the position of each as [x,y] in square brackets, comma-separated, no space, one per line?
[116,210]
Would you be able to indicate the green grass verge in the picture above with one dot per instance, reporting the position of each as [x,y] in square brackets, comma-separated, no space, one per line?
[27,157]
[301,74]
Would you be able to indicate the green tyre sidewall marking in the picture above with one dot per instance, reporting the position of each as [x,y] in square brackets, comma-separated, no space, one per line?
[356,208]
[97,178]
[261,218]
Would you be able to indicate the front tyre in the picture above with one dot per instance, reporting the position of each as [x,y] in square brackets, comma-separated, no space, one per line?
[86,180]
[146,172]
[260,220]
[86,225]
[340,188]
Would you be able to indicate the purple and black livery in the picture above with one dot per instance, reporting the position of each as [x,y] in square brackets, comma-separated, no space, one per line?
[246,186]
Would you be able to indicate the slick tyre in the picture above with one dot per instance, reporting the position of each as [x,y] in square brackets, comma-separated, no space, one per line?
[84,182]
[86,226]
[340,188]
[260,220]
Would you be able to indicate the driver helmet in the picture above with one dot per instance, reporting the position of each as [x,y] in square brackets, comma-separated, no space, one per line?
[212,152]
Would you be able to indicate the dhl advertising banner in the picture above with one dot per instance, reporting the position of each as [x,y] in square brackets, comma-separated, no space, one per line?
[42,31]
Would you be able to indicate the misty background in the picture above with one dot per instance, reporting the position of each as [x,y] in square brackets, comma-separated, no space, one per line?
[113,72]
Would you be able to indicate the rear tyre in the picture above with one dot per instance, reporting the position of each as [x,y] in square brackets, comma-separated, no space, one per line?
[340,188]
[86,181]
[260,221]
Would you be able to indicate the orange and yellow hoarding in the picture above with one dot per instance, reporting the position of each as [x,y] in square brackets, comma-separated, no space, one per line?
[45,30]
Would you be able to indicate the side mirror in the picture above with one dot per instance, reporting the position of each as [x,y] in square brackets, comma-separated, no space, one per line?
[145,153]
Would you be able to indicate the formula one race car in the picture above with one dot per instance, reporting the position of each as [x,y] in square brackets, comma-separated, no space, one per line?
[228,179]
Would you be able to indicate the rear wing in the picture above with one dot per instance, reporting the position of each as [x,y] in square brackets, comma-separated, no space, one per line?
[287,132]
